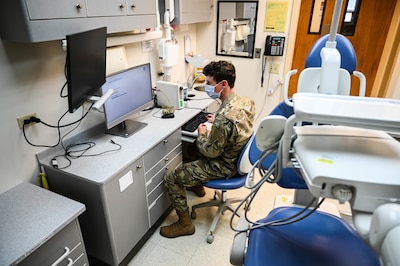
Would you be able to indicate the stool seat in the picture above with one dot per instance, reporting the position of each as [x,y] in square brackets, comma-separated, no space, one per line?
[223,184]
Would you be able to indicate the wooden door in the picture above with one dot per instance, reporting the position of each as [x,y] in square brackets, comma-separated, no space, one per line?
[368,40]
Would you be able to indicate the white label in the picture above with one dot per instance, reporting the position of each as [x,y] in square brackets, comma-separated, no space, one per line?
[125,181]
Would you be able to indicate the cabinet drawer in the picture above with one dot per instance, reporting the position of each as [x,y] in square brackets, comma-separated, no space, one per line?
[104,8]
[159,207]
[159,185]
[45,9]
[161,149]
[66,245]
[140,7]
[159,177]
[162,164]
[155,193]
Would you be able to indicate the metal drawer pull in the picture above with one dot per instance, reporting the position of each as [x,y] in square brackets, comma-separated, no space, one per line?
[121,6]
[63,256]
[78,6]
[165,141]
[70,262]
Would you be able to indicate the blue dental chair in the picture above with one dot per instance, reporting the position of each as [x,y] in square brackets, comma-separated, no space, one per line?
[290,179]
[320,238]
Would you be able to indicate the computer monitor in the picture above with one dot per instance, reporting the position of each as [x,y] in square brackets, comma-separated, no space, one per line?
[132,93]
[86,65]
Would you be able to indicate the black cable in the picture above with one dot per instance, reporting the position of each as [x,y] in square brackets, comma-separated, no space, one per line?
[275,168]
[66,82]
[70,153]
[264,63]
[58,127]
[39,121]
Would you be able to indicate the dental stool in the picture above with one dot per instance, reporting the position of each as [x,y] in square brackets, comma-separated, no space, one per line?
[222,186]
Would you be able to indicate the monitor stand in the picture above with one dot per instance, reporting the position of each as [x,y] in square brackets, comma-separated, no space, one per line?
[126,128]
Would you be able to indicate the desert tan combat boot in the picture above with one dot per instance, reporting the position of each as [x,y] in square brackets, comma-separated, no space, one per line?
[182,227]
[198,190]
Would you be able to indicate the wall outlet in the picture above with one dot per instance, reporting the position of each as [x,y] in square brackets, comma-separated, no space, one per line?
[275,68]
[21,119]
[257,52]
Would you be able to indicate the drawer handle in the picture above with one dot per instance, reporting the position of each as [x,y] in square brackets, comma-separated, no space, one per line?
[78,6]
[166,159]
[165,141]
[121,6]
[70,262]
[133,6]
[138,166]
[63,256]
[167,168]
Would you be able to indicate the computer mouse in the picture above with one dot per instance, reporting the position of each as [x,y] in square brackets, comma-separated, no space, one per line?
[168,116]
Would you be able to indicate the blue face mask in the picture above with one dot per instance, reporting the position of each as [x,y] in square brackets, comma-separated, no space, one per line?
[210,90]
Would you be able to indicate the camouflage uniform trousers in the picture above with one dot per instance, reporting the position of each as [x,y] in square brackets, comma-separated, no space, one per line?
[191,174]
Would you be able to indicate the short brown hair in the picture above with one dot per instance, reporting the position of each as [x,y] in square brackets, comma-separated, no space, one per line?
[221,70]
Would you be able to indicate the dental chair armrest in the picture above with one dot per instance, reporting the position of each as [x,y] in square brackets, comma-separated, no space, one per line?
[239,245]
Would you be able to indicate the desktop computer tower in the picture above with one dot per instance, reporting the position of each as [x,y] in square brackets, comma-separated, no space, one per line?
[171,94]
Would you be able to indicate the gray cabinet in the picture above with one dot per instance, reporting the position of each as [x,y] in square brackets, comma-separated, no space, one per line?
[126,209]
[116,217]
[65,248]
[190,11]
[39,227]
[122,207]
[194,11]
[45,20]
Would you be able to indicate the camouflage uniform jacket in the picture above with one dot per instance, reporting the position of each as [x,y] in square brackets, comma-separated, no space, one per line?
[232,127]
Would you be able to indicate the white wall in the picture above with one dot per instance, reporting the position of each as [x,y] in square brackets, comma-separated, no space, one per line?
[31,77]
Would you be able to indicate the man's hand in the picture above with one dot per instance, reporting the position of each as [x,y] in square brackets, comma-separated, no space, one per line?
[202,129]
[210,118]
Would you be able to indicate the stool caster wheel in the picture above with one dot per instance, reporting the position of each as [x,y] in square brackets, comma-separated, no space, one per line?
[210,238]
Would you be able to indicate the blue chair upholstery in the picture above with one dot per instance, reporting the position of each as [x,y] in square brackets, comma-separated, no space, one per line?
[290,179]
[222,186]
[343,45]
[319,239]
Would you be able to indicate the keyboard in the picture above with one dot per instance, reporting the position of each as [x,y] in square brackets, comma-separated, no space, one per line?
[194,123]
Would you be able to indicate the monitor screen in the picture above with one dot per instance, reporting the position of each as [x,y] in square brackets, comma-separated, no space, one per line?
[86,65]
[132,93]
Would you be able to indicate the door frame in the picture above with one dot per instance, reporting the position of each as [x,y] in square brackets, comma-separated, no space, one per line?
[385,80]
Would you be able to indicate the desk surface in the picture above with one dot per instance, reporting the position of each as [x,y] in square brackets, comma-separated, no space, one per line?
[29,217]
[133,147]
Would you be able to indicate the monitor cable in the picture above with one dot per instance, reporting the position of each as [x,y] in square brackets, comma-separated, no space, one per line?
[58,127]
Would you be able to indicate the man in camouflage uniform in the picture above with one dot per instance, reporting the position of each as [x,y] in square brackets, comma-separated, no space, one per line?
[218,149]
